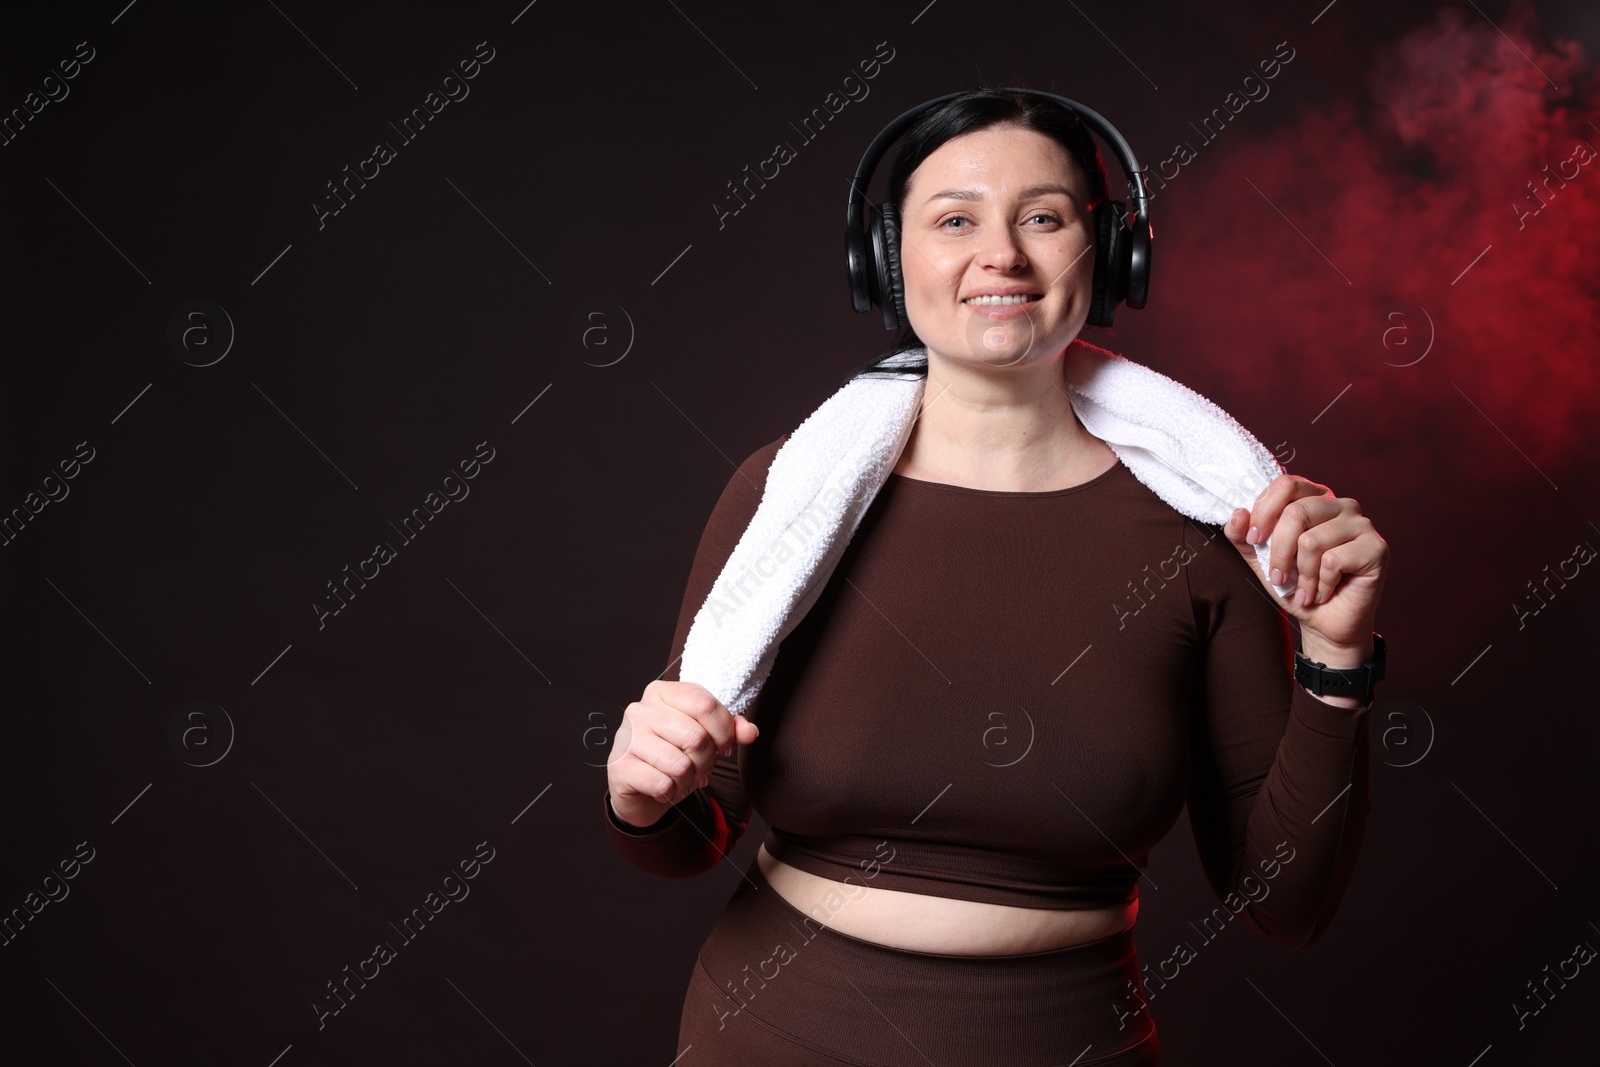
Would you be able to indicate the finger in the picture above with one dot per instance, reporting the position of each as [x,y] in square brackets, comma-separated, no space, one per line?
[747,730]
[665,771]
[1361,554]
[1330,570]
[692,736]
[1237,526]
[1297,516]
[697,702]
[1312,551]
[1267,511]
[1329,515]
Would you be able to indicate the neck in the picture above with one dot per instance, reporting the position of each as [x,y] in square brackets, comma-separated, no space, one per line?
[1009,428]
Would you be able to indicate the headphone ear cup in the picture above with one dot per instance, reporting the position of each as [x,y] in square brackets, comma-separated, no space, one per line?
[891,263]
[883,270]
[1139,264]
[1110,262]
[856,252]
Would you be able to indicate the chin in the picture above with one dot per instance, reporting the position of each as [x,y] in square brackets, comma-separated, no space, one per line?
[1015,341]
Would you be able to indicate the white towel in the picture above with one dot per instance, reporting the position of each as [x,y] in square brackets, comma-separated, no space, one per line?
[1187,450]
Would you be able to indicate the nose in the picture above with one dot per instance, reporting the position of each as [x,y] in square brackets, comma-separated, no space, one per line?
[1001,249]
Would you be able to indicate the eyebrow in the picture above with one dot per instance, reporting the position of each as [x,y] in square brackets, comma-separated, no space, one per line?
[1026,194]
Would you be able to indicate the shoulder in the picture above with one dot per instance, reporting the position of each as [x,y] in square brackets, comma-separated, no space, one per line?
[762,457]
[1225,590]
[752,473]
[742,495]
[1214,566]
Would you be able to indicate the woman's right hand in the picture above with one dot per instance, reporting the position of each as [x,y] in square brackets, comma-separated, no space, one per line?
[666,747]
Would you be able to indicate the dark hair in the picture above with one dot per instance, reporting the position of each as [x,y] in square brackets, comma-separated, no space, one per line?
[978,109]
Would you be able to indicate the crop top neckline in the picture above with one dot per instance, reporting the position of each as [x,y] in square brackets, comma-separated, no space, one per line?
[1080,487]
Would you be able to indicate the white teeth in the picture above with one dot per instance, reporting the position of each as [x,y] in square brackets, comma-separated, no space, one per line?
[1018,298]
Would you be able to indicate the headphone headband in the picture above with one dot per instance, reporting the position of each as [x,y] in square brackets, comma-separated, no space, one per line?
[1135,248]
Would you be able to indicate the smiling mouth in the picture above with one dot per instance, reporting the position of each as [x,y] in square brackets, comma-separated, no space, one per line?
[996,301]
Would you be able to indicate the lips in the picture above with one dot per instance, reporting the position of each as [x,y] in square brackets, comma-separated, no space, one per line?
[998,308]
[1001,299]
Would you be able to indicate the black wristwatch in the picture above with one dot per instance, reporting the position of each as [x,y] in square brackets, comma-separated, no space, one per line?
[1324,680]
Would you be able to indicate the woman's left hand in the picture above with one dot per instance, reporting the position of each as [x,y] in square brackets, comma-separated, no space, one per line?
[1324,546]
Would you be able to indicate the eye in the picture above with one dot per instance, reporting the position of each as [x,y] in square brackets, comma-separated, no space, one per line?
[1047,216]
[945,224]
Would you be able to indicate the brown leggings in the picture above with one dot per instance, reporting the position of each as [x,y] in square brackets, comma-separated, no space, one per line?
[773,986]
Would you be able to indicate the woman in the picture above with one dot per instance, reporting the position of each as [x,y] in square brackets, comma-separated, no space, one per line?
[963,756]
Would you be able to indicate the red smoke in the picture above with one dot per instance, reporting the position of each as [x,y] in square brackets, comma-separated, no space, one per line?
[1401,195]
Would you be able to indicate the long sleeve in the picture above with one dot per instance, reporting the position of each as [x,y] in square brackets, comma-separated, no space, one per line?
[697,832]
[1279,785]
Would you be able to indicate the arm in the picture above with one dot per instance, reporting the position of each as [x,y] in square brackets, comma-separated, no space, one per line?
[1279,784]
[697,832]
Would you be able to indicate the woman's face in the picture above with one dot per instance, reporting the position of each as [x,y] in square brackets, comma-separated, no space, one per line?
[1002,210]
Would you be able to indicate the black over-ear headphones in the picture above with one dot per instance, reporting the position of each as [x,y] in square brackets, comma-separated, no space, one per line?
[1122,256]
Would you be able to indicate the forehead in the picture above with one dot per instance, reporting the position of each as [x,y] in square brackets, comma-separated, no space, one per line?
[994,159]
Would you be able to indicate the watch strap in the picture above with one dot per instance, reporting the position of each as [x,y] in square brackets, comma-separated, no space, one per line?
[1358,681]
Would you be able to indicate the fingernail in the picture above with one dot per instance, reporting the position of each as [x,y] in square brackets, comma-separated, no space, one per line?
[1277,576]
[1250,538]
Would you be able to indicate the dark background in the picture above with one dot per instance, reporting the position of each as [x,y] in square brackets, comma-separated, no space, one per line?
[335,774]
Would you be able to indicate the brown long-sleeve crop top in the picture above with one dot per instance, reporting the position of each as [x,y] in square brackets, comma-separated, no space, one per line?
[1009,697]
